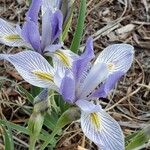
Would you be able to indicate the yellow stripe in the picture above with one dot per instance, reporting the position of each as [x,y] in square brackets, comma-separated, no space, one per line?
[95,120]
[63,58]
[43,75]
[12,37]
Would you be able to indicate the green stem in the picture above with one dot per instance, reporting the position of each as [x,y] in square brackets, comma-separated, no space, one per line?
[80,27]
[32,143]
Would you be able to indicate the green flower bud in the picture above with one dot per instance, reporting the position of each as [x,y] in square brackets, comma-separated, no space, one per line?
[35,123]
[41,102]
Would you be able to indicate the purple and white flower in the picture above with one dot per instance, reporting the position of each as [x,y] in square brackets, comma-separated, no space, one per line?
[48,42]
[87,82]
[81,84]
[29,35]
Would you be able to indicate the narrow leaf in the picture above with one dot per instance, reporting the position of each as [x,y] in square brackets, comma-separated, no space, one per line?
[24,130]
[142,137]
[23,91]
[80,27]
[8,139]
[67,117]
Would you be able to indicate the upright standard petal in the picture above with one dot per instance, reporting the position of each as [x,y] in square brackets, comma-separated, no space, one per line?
[56,23]
[102,129]
[52,5]
[96,76]
[81,64]
[9,35]
[118,57]
[33,67]
[33,11]
[30,33]
[46,29]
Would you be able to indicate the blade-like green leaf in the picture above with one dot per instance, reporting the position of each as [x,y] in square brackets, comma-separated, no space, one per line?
[80,27]
[67,117]
[139,139]
[23,91]
[35,91]
[8,139]
[61,103]
[43,136]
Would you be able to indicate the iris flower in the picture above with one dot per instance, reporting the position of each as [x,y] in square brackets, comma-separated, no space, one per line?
[81,84]
[87,82]
[49,42]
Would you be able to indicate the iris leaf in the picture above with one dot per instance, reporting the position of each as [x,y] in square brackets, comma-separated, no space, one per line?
[80,27]
[67,117]
[138,139]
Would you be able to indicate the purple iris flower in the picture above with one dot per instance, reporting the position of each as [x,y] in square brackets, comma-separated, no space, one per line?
[81,84]
[49,43]
[87,82]
[29,35]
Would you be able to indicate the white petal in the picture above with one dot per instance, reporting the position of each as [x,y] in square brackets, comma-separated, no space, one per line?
[9,35]
[118,57]
[66,57]
[33,67]
[103,130]
[62,60]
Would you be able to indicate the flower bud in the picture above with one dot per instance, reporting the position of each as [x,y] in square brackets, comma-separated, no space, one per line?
[41,102]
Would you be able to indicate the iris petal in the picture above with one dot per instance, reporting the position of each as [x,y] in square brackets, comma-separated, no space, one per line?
[67,88]
[33,67]
[103,130]
[52,5]
[9,35]
[81,64]
[30,33]
[46,28]
[108,85]
[118,57]
[33,11]
[56,24]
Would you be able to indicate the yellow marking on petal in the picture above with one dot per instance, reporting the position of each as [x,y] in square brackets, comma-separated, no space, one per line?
[63,58]
[95,120]
[43,75]
[111,66]
[12,37]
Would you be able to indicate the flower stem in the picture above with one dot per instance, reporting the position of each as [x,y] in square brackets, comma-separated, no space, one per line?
[32,143]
